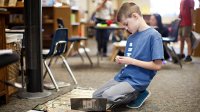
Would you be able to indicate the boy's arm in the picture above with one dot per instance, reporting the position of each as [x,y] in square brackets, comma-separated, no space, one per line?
[151,65]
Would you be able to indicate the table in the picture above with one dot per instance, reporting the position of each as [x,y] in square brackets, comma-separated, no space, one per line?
[100,40]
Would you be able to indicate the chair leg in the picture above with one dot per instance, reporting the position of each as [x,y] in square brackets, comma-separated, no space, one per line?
[98,53]
[179,61]
[80,55]
[87,55]
[51,75]
[173,54]
[69,70]
[70,48]
[45,73]
[114,54]
[56,59]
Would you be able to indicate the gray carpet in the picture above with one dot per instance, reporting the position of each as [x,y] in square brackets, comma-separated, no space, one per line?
[172,90]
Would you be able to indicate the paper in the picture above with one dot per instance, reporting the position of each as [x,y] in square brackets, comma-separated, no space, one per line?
[13,37]
[12,2]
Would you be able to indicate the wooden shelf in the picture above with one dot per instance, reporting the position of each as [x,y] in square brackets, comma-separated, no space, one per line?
[3,70]
[51,14]
[75,24]
[15,23]
[14,7]
[48,22]
[196,17]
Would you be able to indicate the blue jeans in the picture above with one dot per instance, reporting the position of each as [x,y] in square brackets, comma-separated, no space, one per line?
[102,37]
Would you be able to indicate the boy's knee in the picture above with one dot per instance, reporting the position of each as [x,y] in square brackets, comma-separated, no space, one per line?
[107,94]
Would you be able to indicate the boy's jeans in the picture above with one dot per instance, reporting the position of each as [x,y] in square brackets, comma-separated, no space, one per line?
[116,92]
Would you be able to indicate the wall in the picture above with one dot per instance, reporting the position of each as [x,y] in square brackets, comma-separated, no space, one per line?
[145,6]
[90,5]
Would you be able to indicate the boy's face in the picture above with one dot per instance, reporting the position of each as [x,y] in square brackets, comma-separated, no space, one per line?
[131,24]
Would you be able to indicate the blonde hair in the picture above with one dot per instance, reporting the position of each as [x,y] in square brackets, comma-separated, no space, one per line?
[127,9]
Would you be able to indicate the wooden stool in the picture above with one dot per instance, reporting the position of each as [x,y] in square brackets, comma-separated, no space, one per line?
[117,46]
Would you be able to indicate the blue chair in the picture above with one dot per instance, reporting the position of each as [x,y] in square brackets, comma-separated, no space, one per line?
[73,40]
[58,49]
[173,37]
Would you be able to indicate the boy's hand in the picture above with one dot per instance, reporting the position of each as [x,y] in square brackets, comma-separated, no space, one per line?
[124,60]
[117,59]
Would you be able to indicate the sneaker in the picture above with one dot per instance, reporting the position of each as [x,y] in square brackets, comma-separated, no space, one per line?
[104,55]
[143,96]
[188,59]
[181,56]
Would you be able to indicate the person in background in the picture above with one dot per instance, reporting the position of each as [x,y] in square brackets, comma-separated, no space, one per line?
[186,8]
[103,13]
[156,22]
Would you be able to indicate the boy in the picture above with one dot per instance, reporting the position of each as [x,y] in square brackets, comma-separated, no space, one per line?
[143,57]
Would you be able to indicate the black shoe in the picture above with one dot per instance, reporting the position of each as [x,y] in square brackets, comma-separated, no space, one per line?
[188,59]
[104,55]
[181,56]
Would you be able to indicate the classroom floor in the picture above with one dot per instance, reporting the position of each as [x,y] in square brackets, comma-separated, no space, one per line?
[172,90]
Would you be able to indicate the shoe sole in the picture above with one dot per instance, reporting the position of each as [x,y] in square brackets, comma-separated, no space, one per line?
[187,62]
[141,103]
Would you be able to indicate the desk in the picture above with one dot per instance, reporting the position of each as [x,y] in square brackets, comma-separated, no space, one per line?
[100,41]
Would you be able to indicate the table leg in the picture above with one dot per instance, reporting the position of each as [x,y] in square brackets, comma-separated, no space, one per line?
[114,54]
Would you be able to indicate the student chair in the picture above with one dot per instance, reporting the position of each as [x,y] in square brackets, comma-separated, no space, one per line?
[173,37]
[58,49]
[73,40]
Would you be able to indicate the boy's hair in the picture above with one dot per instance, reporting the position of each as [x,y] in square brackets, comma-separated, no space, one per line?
[127,9]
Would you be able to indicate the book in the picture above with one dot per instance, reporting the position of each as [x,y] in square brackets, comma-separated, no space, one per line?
[12,2]
[2,2]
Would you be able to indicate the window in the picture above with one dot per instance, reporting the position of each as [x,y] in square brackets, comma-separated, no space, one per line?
[168,9]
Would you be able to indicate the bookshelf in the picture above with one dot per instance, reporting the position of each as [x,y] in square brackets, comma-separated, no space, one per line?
[196,17]
[49,17]
[3,71]
[75,21]
[49,20]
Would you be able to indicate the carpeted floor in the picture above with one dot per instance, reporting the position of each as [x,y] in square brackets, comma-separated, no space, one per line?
[172,90]
[62,103]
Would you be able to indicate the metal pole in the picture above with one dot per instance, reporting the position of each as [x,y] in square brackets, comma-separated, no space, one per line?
[33,50]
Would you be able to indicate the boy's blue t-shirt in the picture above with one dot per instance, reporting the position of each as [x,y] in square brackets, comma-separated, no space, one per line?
[145,46]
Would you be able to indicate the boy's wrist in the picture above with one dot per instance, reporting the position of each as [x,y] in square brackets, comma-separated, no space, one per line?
[133,61]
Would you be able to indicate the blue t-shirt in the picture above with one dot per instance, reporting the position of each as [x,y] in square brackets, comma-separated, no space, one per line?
[145,46]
